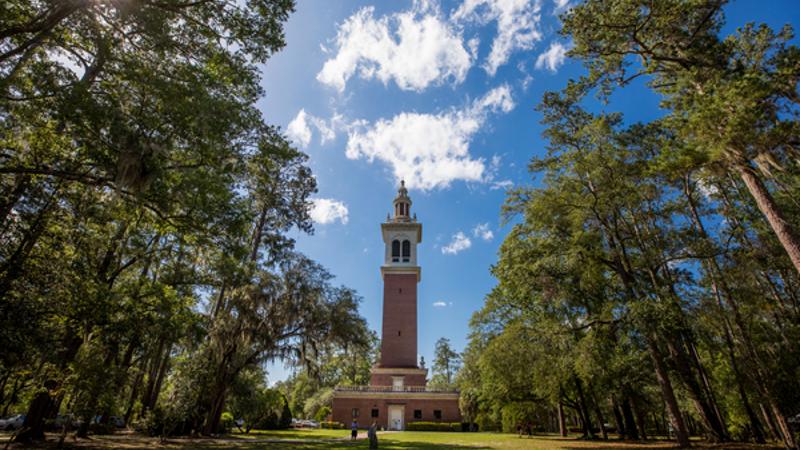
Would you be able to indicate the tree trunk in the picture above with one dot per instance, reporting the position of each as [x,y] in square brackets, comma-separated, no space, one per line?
[583,409]
[599,413]
[668,394]
[631,430]
[215,412]
[783,426]
[708,416]
[562,425]
[784,231]
[162,371]
[773,429]
[7,202]
[38,411]
[132,399]
[618,421]
[640,417]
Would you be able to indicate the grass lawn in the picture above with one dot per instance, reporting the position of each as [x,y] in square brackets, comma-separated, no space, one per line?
[339,439]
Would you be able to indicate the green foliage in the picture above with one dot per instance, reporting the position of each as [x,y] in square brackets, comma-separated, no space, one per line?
[322,414]
[332,425]
[312,388]
[285,420]
[321,400]
[518,414]
[145,212]
[433,426]
[446,363]
[226,423]
[624,281]
[251,401]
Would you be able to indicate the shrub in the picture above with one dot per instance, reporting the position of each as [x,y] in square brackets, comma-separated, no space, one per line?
[270,422]
[332,425]
[433,426]
[155,422]
[322,414]
[285,420]
[226,422]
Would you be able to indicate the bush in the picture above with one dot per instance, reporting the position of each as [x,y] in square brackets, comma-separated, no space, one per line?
[226,422]
[322,414]
[155,422]
[332,425]
[433,426]
[285,421]
[270,422]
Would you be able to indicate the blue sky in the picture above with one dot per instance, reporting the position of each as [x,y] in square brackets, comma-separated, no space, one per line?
[442,94]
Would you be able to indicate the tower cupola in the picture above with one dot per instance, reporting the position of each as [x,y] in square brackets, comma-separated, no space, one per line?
[402,204]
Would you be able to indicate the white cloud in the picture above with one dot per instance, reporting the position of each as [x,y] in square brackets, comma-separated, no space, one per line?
[439,304]
[458,243]
[553,58]
[502,184]
[429,150]
[327,210]
[483,231]
[413,48]
[517,26]
[706,188]
[560,5]
[298,130]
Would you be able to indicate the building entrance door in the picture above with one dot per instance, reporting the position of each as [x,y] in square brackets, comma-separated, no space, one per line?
[396,415]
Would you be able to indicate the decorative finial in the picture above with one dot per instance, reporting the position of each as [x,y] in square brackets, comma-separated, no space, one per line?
[402,183]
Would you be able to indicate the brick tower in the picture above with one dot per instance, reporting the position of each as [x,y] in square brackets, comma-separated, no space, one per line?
[401,233]
[397,392]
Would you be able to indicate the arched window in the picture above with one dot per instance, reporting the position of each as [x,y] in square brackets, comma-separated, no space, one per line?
[406,250]
[395,251]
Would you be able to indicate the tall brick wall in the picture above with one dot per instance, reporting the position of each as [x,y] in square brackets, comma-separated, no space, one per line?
[343,410]
[399,343]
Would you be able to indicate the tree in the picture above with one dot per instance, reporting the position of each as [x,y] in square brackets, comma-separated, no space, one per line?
[446,363]
[734,99]
[144,212]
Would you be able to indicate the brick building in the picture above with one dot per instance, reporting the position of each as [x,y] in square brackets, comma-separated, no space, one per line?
[397,392]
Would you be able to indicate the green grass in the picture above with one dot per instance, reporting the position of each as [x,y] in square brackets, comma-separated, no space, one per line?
[407,440]
[303,433]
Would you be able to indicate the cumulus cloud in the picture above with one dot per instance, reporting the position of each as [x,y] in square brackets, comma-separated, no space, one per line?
[483,231]
[553,58]
[429,150]
[517,26]
[414,48]
[299,129]
[458,243]
[328,210]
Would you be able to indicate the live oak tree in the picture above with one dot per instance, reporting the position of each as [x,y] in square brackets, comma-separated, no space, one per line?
[144,207]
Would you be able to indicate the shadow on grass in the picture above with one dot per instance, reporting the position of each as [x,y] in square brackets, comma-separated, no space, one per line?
[139,442]
[663,444]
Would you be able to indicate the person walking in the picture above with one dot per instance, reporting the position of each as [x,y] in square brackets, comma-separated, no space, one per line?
[372,434]
[354,430]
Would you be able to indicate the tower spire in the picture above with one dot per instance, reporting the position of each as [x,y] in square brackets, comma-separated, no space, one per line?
[402,204]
